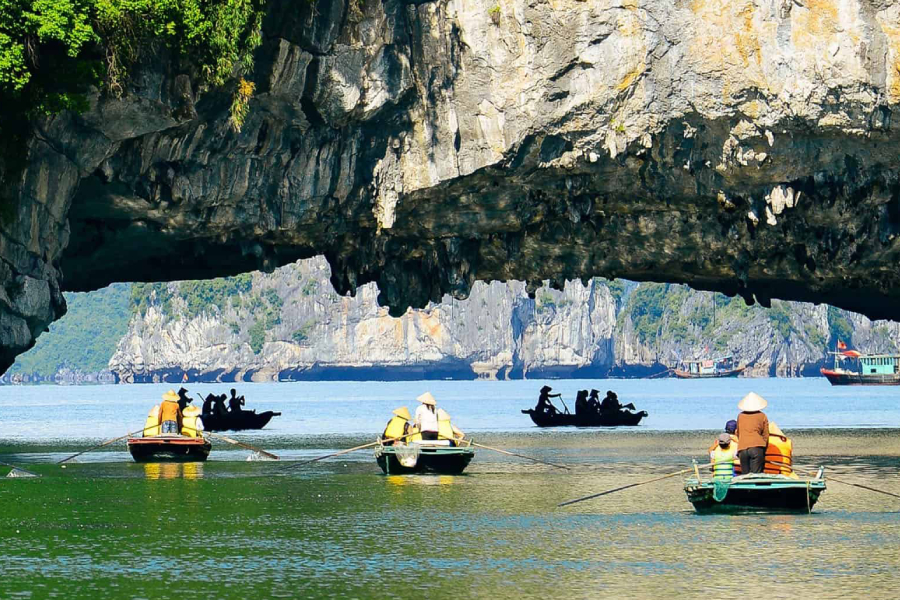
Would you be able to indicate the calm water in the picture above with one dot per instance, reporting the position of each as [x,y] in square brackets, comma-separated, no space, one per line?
[229,528]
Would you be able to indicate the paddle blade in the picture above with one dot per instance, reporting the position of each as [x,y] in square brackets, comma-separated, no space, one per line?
[21,473]
[258,456]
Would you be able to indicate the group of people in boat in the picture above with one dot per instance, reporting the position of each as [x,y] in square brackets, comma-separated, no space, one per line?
[751,444]
[584,403]
[215,405]
[177,414]
[430,424]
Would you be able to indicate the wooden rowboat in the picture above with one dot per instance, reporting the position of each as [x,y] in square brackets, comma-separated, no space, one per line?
[755,492]
[425,457]
[169,448]
[598,419]
[246,419]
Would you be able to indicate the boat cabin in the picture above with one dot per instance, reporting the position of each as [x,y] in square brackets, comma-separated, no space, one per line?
[709,367]
[879,364]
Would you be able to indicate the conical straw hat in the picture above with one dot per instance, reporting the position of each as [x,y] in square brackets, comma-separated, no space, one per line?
[402,412]
[752,402]
[775,430]
[171,396]
[427,398]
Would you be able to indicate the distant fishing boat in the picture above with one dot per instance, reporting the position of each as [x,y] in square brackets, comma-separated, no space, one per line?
[856,368]
[755,492]
[437,456]
[724,366]
[169,448]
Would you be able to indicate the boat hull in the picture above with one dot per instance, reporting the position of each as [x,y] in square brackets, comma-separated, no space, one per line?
[607,419]
[169,448]
[443,460]
[688,375]
[846,378]
[756,493]
[247,419]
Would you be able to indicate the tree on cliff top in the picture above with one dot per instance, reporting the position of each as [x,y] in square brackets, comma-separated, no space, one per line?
[53,51]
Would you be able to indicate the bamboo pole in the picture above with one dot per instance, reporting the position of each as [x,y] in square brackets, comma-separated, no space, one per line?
[232,441]
[98,446]
[631,485]
[537,460]
[15,468]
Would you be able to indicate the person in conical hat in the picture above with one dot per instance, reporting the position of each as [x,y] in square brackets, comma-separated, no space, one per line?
[543,404]
[426,418]
[170,414]
[752,433]
[398,426]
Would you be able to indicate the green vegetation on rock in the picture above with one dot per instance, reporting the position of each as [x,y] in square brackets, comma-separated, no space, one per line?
[85,338]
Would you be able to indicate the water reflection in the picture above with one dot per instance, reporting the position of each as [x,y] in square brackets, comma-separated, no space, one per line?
[188,470]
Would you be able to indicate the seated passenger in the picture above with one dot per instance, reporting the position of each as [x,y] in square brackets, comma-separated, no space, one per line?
[779,453]
[610,402]
[191,423]
[581,403]
[730,429]
[446,430]
[151,426]
[398,426]
[594,401]
[426,419]
[723,458]
[235,402]
[183,399]
[170,414]
[208,404]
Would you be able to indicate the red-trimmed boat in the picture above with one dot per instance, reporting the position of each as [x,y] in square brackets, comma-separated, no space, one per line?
[856,368]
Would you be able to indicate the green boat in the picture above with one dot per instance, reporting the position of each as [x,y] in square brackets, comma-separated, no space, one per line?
[755,492]
[426,457]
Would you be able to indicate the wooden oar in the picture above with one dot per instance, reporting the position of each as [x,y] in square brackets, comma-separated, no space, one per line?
[537,460]
[233,441]
[15,468]
[97,447]
[631,485]
[347,451]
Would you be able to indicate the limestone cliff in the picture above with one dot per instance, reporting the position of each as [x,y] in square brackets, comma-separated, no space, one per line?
[291,325]
[744,146]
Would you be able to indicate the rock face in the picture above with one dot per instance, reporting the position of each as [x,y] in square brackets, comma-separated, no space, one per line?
[291,325]
[746,147]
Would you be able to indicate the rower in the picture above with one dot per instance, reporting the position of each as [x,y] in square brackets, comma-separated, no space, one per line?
[183,399]
[426,419]
[752,432]
[779,453]
[723,458]
[170,414]
[544,405]
[397,427]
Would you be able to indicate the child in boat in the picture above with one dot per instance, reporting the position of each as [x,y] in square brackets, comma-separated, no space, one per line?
[723,457]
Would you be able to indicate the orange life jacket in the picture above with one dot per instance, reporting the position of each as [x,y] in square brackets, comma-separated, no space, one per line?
[168,411]
[779,456]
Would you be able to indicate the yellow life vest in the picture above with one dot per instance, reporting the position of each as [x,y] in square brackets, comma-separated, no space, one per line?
[189,421]
[415,437]
[445,429]
[394,428]
[723,462]
[151,426]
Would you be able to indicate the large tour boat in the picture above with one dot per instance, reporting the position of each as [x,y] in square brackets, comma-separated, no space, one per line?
[854,368]
[724,366]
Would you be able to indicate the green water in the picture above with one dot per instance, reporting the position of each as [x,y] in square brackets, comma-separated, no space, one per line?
[236,529]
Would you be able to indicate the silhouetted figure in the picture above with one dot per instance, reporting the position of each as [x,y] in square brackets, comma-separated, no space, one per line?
[581,403]
[208,404]
[544,405]
[610,402]
[594,402]
[219,406]
[183,399]
[235,402]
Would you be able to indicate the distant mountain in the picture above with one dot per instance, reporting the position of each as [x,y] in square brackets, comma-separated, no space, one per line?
[291,325]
